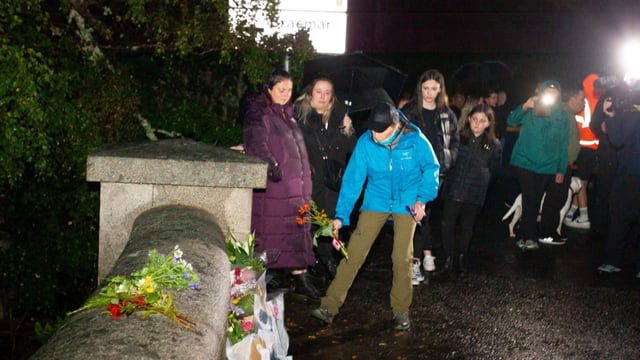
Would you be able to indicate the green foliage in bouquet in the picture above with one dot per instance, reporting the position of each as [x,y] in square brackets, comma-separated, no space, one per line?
[147,289]
[241,253]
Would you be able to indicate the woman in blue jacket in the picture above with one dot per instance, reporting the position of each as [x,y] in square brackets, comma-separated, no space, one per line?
[401,173]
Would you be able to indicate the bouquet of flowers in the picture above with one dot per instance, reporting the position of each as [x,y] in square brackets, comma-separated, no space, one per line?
[246,269]
[309,213]
[147,289]
[255,324]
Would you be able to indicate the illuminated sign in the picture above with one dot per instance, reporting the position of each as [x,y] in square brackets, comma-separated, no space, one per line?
[325,19]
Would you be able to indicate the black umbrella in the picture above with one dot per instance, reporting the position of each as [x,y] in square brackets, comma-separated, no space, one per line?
[359,80]
[477,78]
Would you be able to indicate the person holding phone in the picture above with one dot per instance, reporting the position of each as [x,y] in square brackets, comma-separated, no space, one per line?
[540,154]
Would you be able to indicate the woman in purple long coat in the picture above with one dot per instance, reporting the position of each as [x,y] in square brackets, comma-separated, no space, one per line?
[271,133]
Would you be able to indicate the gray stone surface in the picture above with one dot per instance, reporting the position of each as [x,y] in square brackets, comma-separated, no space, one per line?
[176,162]
[137,177]
[93,335]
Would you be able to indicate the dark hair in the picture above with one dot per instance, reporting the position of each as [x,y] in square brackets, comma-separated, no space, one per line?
[277,76]
[433,74]
[488,93]
[488,138]
[571,89]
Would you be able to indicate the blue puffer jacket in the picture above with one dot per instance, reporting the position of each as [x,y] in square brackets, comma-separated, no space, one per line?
[396,176]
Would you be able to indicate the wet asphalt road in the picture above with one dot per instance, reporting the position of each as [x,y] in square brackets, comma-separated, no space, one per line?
[547,304]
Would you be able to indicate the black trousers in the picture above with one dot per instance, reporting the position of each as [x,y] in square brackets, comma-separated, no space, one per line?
[624,215]
[555,198]
[423,236]
[533,186]
[460,216]
[605,176]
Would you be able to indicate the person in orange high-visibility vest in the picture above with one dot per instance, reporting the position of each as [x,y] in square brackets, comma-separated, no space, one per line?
[585,166]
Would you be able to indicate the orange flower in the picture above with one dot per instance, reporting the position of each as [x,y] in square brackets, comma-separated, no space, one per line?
[324,226]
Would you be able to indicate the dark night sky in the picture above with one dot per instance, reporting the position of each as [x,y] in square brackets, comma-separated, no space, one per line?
[539,39]
[487,26]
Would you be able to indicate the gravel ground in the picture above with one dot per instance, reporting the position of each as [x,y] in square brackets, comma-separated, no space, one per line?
[548,304]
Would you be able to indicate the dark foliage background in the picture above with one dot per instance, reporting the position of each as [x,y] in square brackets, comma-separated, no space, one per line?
[75,75]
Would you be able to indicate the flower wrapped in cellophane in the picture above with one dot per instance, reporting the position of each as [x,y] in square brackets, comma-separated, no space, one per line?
[255,323]
[309,213]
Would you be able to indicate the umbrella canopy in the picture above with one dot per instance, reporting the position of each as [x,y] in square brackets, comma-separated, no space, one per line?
[359,80]
[477,78]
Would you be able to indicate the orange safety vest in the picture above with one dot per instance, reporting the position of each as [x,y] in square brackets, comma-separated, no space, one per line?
[587,138]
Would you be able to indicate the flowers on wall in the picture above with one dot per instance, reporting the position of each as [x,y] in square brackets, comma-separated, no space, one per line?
[147,289]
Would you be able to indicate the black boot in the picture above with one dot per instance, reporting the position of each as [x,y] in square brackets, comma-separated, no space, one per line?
[331,265]
[305,288]
[278,280]
[462,264]
[448,264]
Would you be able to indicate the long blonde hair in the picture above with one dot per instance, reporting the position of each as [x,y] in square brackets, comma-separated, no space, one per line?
[303,102]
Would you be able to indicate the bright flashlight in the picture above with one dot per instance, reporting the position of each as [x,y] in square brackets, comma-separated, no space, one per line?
[547,99]
[630,58]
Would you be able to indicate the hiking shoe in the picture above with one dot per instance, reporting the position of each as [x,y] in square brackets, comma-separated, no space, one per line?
[608,268]
[525,245]
[402,322]
[416,275]
[530,245]
[550,240]
[579,223]
[322,313]
[429,263]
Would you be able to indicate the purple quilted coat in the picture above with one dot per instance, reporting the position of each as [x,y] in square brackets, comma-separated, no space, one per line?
[272,134]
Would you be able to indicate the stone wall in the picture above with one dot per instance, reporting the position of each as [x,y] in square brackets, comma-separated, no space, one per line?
[156,195]
[93,334]
[137,177]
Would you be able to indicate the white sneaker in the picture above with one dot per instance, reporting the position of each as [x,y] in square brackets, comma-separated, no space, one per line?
[569,216]
[429,263]
[416,274]
[579,223]
[551,241]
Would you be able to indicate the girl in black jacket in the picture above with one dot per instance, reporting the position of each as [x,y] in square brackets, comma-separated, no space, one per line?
[478,159]
[429,111]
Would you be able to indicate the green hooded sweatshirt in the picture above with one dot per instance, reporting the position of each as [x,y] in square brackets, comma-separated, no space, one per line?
[543,140]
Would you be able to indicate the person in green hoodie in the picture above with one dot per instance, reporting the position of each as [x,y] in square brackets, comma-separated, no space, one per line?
[539,155]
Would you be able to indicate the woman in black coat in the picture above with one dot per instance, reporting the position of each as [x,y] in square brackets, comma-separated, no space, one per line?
[429,111]
[329,136]
[479,157]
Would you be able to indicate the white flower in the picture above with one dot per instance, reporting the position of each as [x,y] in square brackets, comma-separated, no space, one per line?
[122,288]
[177,253]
